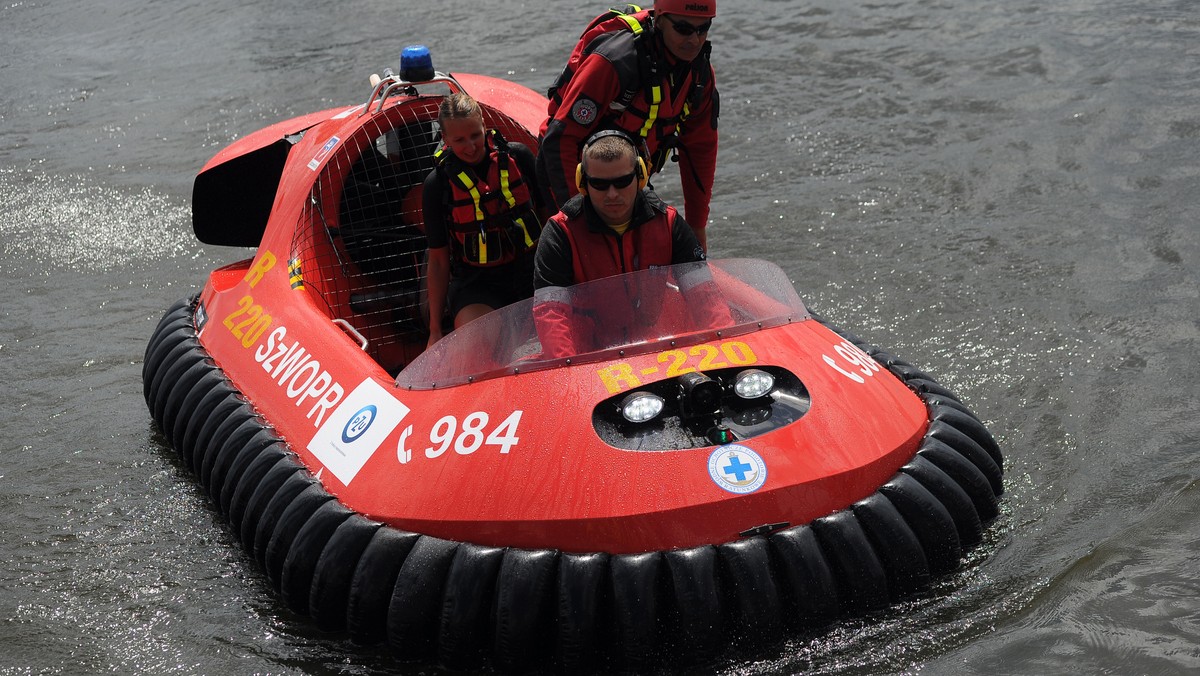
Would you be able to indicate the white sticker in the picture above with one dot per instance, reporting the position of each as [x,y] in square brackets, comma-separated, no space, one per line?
[356,428]
[323,153]
[737,469]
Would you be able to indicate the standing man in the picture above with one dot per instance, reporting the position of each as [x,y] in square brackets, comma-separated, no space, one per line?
[648,74]
[615,225]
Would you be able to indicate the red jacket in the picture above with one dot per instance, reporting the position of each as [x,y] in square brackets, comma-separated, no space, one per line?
[612,87]
[595,255]
[577,247]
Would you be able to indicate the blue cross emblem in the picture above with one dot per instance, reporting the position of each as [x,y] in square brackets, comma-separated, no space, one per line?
[737,468]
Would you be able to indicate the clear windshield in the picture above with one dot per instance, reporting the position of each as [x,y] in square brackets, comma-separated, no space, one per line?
[627,314]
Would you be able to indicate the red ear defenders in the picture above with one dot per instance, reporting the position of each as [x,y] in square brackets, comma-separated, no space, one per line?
[643,176]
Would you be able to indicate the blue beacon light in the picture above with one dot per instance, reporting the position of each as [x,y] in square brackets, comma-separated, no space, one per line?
[416,65]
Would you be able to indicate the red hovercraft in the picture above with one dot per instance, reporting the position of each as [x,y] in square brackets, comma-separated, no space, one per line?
[668,490]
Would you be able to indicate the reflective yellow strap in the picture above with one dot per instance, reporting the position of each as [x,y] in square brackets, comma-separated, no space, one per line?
[470,186]
[524,229]
[655,100]
[508,196]
[483,254]
[634,24]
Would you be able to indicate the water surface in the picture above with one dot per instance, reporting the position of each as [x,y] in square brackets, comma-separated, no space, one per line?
[1001,193]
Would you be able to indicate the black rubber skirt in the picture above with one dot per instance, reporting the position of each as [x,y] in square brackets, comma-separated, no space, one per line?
[466,605]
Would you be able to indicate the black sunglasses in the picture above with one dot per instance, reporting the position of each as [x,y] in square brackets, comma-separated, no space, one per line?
[604,183]
[687,30]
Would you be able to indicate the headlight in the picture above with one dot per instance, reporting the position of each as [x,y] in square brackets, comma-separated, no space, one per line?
[638,407]
[753,383]
[695,410]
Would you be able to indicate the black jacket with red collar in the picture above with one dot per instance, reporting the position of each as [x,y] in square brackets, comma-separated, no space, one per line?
[577,246]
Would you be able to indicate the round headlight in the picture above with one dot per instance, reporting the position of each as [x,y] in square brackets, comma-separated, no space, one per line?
[639,407]
[753,383]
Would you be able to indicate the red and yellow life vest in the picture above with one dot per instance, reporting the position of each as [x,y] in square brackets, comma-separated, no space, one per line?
[491,218]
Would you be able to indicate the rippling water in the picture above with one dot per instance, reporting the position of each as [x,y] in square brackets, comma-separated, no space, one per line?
[1002,193]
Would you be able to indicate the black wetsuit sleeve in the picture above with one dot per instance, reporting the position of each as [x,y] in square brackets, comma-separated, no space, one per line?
[552,262]
[685,248]
[523,156]
[433,206]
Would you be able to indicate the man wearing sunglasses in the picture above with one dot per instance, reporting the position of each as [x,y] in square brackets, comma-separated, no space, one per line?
[613,226]
[648,74]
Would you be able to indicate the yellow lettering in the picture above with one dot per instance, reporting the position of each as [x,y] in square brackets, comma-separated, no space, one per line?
[616,375]
[266,261]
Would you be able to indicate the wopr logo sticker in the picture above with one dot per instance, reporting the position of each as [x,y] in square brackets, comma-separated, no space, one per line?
[737,469]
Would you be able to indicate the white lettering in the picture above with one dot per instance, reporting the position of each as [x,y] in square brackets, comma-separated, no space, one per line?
[296,357]
[294,368]
[295,388]
[317,387]
[264,350]
[856,357]
[472,436]
[852,376]
[332,396]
